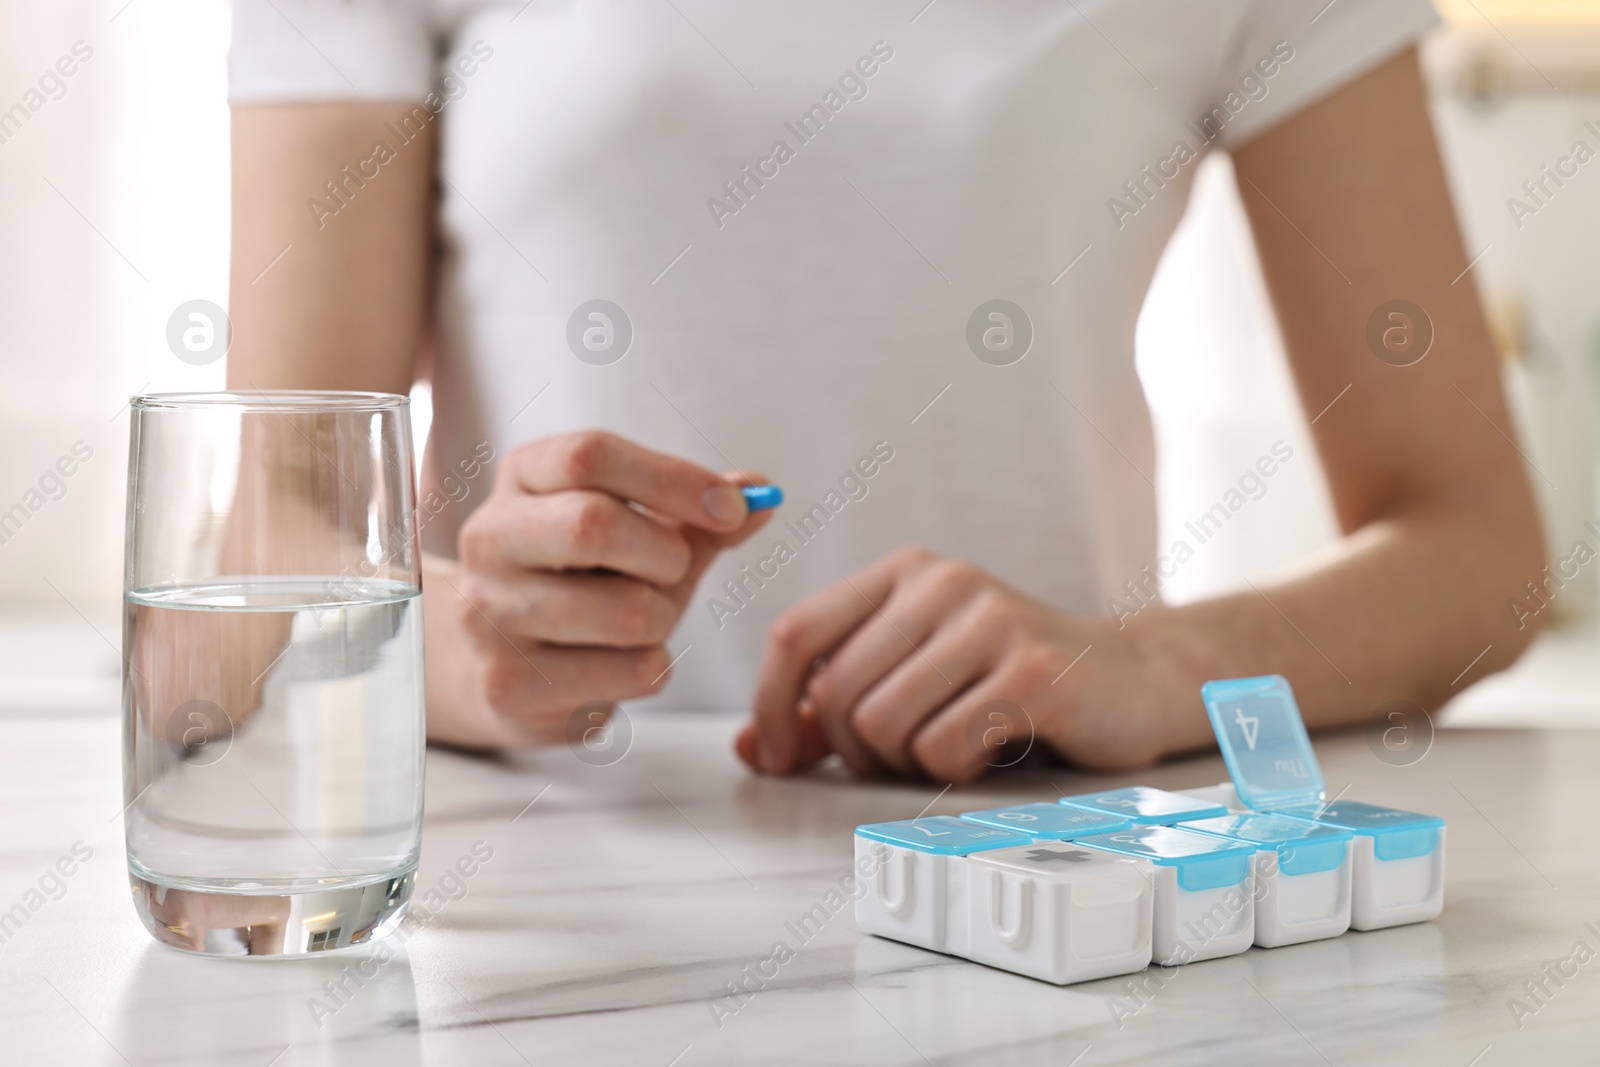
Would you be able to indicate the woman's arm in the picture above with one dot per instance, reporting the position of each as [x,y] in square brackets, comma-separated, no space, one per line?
[325,300]
[1440,527]
[1350,209]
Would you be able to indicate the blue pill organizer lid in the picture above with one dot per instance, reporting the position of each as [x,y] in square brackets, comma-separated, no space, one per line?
[1303,847]
[1146,806]
[1055,822]
[1202,861]
[1263,742]
[1396,834]
[943,835]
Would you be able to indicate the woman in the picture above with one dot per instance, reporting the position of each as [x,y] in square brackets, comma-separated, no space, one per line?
[892,255]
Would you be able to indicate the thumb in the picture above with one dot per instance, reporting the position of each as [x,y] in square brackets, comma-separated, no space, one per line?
[706,545]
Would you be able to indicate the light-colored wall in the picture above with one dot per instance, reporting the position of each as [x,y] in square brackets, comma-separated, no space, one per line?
[113,211]
[1502,118]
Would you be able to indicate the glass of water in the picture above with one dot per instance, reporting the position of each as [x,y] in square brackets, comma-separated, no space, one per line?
[273,728]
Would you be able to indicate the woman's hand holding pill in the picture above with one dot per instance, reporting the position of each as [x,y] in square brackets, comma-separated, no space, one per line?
[891,666]
[571,576]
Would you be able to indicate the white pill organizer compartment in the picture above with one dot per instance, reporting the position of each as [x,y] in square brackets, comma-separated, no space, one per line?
[1301,874]
[1203,906]
[1054,911]
[916,877]
[1397,869]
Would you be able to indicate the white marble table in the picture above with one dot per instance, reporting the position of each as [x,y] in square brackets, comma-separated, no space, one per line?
[617,908]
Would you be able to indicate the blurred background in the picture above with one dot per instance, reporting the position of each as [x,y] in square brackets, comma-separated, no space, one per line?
[114,211]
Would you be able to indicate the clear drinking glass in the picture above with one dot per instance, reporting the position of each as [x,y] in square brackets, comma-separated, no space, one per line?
[272,688]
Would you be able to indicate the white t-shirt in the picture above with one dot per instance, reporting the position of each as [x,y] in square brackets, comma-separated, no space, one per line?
[806,213]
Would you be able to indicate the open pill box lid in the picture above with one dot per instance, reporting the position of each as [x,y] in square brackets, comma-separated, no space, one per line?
[1264,742]
[1396,834]
[942,835]
[1303,847]
[1054,822]
[1147,806]
[1202,861]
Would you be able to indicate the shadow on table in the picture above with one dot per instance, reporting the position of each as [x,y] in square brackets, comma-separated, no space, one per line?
[176,1007]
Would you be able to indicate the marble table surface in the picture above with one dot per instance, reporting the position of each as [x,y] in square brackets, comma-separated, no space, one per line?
[622,900]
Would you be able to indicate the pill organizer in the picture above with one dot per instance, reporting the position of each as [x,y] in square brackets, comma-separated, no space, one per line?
[1101,884]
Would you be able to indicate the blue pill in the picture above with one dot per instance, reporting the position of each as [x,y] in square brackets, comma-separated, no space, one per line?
[762,497]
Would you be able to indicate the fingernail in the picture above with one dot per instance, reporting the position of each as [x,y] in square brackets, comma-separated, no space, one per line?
[723,503]
[768,761]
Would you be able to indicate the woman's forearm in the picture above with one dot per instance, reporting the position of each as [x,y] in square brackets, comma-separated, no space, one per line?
[1412,607]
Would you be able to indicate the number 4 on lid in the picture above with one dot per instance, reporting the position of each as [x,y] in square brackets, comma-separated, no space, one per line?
[1263,741]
